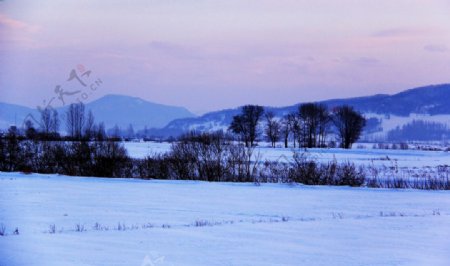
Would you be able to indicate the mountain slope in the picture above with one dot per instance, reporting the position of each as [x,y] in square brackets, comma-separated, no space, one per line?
[124,110]
[111,109]
[423,100]
[428,100]
[13,114]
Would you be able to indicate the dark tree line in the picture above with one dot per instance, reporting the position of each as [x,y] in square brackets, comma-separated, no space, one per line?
[308,127]
[273,129]
[80,158]
[195,156]
[43,150]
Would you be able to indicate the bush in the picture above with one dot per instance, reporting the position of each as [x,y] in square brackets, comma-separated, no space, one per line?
[348,175]
[210,157]
[2,230]
[110,159]
[52,229]
[153,167]
[304,170]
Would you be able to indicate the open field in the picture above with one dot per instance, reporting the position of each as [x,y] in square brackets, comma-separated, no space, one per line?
[95,221]
[377,157]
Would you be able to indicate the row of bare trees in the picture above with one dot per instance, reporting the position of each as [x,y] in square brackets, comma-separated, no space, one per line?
[308,126]
[79,125]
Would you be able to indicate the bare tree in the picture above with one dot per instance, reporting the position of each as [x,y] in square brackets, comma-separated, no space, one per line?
[75,120]
[308,114]
[130,132]
[116,132]
[56,122]
[101,132]
[349,125]
[49,121]
[45,123]
[295,127]
[324,120]
[285,130]
[12,150]
[245,125]
[272,128]
[314,119]
[90,125]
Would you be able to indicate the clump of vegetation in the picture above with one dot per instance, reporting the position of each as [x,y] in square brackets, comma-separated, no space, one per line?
[79,228]
[2,230]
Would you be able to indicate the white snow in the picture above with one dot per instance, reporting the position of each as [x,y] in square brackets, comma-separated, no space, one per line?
[390,122]
[377,157]
[144,149]
[244,223]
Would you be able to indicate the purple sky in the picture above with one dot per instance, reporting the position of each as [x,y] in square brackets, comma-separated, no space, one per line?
[208,55]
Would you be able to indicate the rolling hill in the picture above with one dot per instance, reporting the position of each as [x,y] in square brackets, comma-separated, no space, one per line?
[385,112]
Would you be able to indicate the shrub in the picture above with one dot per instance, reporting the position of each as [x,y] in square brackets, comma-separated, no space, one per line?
[52,229]
[2,230]
[79,228]
[348,175]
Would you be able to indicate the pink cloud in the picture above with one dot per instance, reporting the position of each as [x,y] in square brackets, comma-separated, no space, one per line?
[16,25]
[17,33]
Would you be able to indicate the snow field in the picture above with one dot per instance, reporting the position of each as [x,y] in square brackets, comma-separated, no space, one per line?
[377,157]
[199,223]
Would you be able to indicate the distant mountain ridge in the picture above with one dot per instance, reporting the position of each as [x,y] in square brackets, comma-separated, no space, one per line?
[385,112]
[432,100]
[427,100]
[124,110]
[111,109]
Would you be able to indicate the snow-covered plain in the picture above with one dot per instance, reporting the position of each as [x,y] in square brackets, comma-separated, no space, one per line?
[366,157]
[199,223]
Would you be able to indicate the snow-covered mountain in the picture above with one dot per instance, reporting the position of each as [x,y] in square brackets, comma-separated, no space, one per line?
[384,112]
[111,109]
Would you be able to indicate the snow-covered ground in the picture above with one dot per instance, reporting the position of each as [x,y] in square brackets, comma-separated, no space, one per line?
[237,224]
[148,148]
[377,157]
[390,122]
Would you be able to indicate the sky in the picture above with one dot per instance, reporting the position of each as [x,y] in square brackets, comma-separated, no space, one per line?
[210,55]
